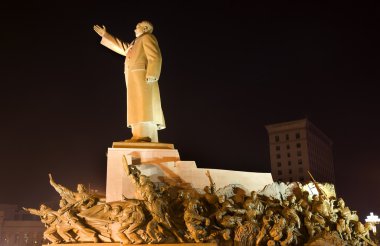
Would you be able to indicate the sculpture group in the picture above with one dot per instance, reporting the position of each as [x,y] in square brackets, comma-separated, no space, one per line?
[168,214]
[164,213]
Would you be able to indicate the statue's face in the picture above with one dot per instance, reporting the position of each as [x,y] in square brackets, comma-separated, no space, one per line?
[254,195]
[62,203]
[140,29]
[150,197]
[341,203]
[80,188]
[292,199]
[221,199]
[143,180]
[116,210]
[207,189]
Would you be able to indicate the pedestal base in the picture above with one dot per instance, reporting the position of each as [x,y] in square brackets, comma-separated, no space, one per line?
[162,164]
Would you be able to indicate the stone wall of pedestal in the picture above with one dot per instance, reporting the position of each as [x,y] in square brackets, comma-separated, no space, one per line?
[164,165]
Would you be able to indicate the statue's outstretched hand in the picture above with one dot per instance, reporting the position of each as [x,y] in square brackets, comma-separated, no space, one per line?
[100,30]
[50,177]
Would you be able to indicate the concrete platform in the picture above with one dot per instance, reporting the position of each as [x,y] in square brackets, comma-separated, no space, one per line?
[142,145]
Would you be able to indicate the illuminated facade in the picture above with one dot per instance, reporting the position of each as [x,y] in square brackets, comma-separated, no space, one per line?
[18,228]
[297,147]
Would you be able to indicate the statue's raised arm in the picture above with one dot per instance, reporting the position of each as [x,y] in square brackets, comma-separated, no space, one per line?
[56,186]
[33,211]
[212,183]
[64,192]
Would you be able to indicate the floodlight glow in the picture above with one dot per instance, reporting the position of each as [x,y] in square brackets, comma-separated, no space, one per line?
[371,218]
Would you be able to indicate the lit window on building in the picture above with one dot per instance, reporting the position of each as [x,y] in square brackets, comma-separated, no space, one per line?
[298,145]
[278,156]
[279,164]
[279,172]
[300,161]
[276,138]
[298,135]
[277,147]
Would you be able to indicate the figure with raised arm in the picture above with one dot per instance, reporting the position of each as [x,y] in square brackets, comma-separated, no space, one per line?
[80,200]
[50,219]
[142,70]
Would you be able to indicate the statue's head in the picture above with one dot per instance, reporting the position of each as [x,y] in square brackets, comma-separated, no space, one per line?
[226,234]
[268,212]
[43,207]
[143,179]
[207,189]
[193,204]
[305,194]
[315,198]
[116,209]
[62,203]
[143,27]
[308,214]
[221,198]
[341,221]
[150,196]
[254,195]
[292,198]
[341,203]
[81,188]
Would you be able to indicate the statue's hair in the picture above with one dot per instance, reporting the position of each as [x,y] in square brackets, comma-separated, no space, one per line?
[148,26]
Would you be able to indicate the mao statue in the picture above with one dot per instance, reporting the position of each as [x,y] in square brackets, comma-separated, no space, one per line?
[142,70]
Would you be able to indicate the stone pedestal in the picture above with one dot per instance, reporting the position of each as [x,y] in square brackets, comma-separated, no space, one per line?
[118,184]
[161,162]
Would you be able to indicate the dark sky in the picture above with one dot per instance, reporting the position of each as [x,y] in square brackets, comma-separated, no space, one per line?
[229,68]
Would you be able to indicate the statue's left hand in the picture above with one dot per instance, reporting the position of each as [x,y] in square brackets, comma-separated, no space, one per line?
[151,79]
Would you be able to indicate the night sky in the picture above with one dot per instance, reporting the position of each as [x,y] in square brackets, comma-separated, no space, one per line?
[229,68]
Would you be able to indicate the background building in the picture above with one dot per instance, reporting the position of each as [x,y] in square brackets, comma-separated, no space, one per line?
[297,147]
[18,228]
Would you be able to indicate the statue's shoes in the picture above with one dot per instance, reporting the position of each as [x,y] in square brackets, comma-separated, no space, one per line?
[139,140]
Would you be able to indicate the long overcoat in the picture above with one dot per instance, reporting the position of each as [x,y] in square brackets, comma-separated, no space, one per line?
[142,59]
